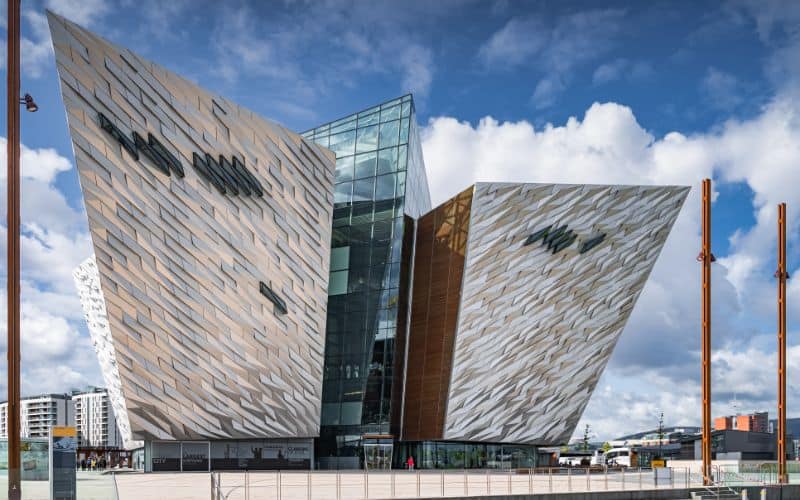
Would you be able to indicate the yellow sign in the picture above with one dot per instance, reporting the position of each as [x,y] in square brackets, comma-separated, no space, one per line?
[64,432]
[658,462]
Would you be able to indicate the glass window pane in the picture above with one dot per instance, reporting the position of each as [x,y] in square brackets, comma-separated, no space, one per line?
[340,258]
[342,191]
[402,157]
[337,284]
[390,113]
[344,169]
[343,144]
[387,160]
[348,123]
[401,183]
[389,133]
[322,140]
[404,130]
[384,187]
[363,189]
[406,109]
[365,165]
[369,119]
[351,413]
[367,139]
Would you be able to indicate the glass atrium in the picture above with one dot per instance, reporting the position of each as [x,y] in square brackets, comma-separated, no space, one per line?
[380,189]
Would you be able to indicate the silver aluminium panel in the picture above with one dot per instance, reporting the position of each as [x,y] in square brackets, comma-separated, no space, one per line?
[211,232]
[538,322]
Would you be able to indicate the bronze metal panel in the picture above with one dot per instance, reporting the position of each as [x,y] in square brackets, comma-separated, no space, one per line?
[438,272]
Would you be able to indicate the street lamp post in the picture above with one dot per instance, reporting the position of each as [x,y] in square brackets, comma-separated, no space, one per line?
[13,268]
[13,101]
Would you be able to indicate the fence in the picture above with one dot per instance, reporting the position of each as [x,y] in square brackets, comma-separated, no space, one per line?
[308,485]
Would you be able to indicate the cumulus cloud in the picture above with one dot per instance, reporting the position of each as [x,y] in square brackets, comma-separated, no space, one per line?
[608,145]
[54,241]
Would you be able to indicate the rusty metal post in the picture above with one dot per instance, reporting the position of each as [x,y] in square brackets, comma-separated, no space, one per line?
[706,257]
[782,275]
[13,187]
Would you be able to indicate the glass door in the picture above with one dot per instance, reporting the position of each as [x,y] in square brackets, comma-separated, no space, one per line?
[378,454]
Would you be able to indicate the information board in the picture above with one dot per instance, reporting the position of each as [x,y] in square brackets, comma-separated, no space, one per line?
[63,445]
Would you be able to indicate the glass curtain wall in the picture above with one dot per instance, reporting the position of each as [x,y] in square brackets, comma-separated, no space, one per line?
[378,157]
[460,455]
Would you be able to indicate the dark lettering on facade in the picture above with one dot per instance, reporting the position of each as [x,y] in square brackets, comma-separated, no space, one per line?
[227,176]
[267,292]
[559,238]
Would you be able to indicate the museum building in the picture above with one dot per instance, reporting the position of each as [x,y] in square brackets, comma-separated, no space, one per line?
[263,299]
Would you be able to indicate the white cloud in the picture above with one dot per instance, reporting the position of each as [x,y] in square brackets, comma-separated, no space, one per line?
[56,356]
[83,12]
[515,43]
[417,64]
[722,89]
[332,44]
[608,145]
[558,47]
[621,69]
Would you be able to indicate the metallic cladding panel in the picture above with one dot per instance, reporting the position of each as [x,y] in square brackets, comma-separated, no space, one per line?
[439,258]
[87,281]
[536,329]
[201,352]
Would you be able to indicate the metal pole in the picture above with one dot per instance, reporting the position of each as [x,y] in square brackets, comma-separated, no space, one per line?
[309,485]
[588,479]
[706,257]
[781,274]
[442,477]
[338,485]
[13,187]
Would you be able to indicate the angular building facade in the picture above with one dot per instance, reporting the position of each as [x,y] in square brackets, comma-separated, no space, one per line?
[211,230]
[262,299]
[520,294]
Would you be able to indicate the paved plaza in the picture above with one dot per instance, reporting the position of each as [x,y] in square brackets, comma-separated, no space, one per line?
[91,486]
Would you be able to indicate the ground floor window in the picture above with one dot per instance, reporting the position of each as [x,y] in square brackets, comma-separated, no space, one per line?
[252,454]
[460,455]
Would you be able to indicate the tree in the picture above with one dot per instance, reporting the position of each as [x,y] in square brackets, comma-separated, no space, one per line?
[586,438]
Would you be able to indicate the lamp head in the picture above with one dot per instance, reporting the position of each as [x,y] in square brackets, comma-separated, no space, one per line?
[29,103]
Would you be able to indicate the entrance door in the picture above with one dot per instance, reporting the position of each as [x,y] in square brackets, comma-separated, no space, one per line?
[378,454]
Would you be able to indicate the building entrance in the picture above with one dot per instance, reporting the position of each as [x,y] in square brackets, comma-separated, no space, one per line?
[378,452]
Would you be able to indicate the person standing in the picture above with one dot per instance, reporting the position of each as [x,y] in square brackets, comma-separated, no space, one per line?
[410,462]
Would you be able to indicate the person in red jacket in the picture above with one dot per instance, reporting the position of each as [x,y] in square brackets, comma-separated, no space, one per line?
[410,463]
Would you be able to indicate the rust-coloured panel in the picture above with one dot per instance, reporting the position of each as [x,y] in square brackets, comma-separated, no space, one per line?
[438,270]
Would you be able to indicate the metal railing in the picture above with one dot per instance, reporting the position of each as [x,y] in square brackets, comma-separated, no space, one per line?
[321,484]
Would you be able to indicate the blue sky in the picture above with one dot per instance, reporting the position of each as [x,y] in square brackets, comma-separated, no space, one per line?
[602,92]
